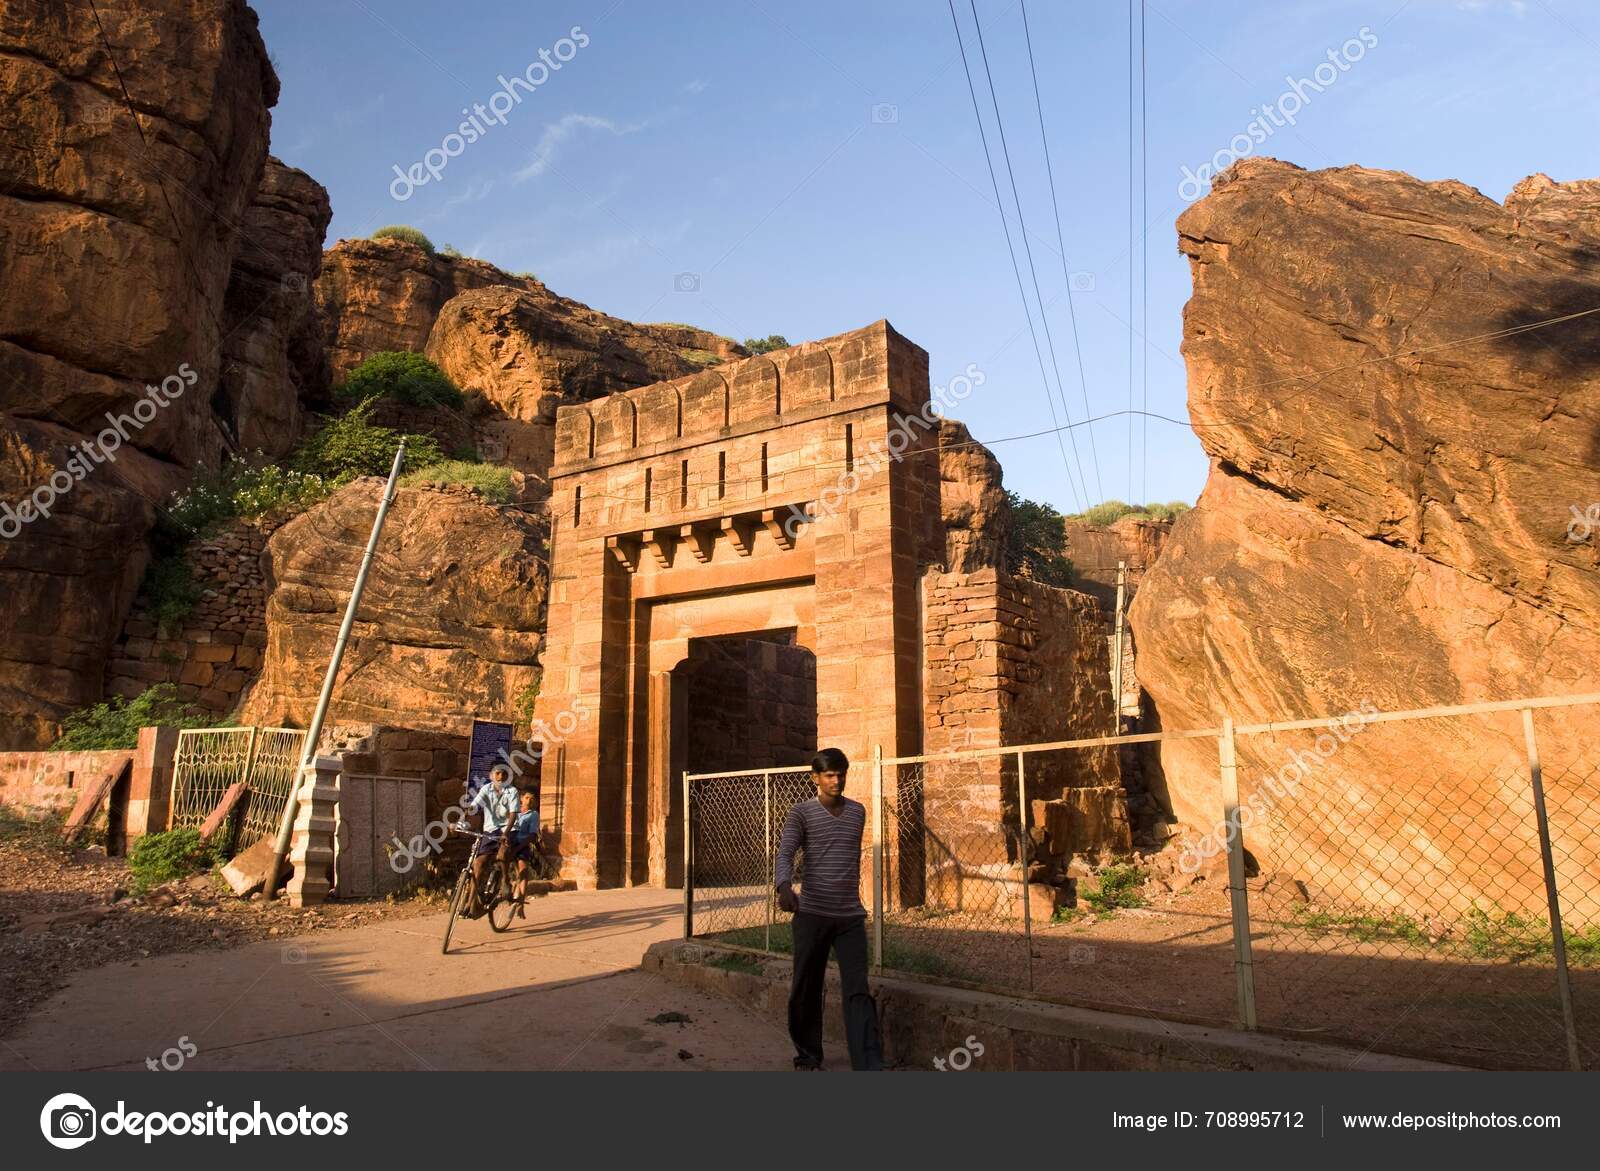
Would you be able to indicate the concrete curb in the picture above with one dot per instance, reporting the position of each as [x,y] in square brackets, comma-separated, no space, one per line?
[922,1022]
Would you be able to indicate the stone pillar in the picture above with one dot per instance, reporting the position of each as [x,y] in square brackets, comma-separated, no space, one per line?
[311,850]
[150,785]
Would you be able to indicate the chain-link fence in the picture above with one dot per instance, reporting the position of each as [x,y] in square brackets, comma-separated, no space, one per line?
[1392,881]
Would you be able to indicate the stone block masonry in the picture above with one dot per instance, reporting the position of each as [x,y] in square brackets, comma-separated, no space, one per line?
[215,652]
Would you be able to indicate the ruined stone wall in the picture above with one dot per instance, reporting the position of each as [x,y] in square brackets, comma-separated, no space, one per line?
[1010,661]
[215,652]
[35,784]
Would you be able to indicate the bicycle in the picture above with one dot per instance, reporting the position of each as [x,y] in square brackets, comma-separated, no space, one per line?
[494,892]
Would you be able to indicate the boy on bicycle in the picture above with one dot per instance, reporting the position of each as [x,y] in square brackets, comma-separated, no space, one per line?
[524,840]
[498,802]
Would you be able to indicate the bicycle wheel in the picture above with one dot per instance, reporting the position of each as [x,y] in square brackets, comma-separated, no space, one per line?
[458,903]
[497,897]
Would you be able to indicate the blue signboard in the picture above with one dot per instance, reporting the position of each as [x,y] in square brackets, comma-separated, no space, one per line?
[491,745]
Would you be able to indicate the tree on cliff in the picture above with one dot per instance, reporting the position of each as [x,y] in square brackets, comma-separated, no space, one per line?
[1037,545]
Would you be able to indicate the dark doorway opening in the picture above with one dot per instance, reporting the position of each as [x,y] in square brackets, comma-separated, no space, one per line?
[746,701]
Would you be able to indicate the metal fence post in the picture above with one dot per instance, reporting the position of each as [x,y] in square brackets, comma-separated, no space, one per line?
[1244,970]
[877,857]
[688,862]
[766,835]
[1022,860]
[1558,936]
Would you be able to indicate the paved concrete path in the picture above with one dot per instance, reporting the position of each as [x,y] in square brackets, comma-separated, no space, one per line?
[559,990]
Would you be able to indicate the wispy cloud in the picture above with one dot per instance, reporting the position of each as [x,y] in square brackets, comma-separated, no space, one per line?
[696,86]
[556,133]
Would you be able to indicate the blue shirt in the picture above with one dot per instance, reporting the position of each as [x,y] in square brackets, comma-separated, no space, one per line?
[526,827]
[499,804]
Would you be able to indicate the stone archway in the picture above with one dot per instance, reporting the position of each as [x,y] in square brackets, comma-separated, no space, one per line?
[737,501]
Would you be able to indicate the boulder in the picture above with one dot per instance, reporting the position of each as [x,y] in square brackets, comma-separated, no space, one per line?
[450,624]
[521,352]
[1385,525]
[972,502]
[378,295]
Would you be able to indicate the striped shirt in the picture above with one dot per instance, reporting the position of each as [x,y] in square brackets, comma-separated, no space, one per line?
[832,856]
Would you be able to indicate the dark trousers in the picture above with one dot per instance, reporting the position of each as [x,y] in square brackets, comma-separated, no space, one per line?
[814,937]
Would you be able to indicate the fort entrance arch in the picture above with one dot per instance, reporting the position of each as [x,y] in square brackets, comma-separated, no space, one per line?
[776,512]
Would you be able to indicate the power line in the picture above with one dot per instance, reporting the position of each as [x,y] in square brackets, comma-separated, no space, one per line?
[1061,248]
[1027,247]
[1313,379]
[1011,248]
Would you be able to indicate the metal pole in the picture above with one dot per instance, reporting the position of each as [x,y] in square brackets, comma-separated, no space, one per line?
[688,862]
[766,820]
[1558,936]
[314,733]
[877,857]
[1022,858]
[1116,657]
[1244,969]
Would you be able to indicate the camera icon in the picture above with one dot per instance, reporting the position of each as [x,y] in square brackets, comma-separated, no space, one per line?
[686,282]
[1080,953]
[1082,282]
[883,114]
[67,1121]
[100,115]
[293,282]
[293,953]
[690,953]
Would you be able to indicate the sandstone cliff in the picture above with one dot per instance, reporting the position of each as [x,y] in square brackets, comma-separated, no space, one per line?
[450,626]
[972,501]
[274,360]
[520,352]
[116,247]
[1386,516]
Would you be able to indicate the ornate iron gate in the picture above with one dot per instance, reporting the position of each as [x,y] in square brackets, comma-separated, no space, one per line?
[208,760]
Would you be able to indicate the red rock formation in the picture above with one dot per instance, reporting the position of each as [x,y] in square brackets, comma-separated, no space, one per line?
[1096,549]
[1386,516]
[977,518]
[450,626]
[377,295]
[116,241]
[273,348]
[522,352]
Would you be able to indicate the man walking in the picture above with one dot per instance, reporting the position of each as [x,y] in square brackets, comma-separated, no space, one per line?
[828,915]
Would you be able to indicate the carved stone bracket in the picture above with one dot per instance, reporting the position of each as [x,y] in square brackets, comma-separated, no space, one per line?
[784,524]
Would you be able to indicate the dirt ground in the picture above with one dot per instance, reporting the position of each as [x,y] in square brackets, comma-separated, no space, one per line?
[1174,959]
[67,910]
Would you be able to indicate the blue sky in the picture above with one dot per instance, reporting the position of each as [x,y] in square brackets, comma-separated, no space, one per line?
[818,166]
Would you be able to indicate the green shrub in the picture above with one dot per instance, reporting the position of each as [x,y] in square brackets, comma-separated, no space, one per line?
[1118,886]
[116,723]
[451,251]
[493,481]
[351,445]
[242,489]
[1110,511]
[765,345]
[169,592]
[405,378]
[1038,541]
[403,232]
[701,357]
[161,857]
[526,275]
